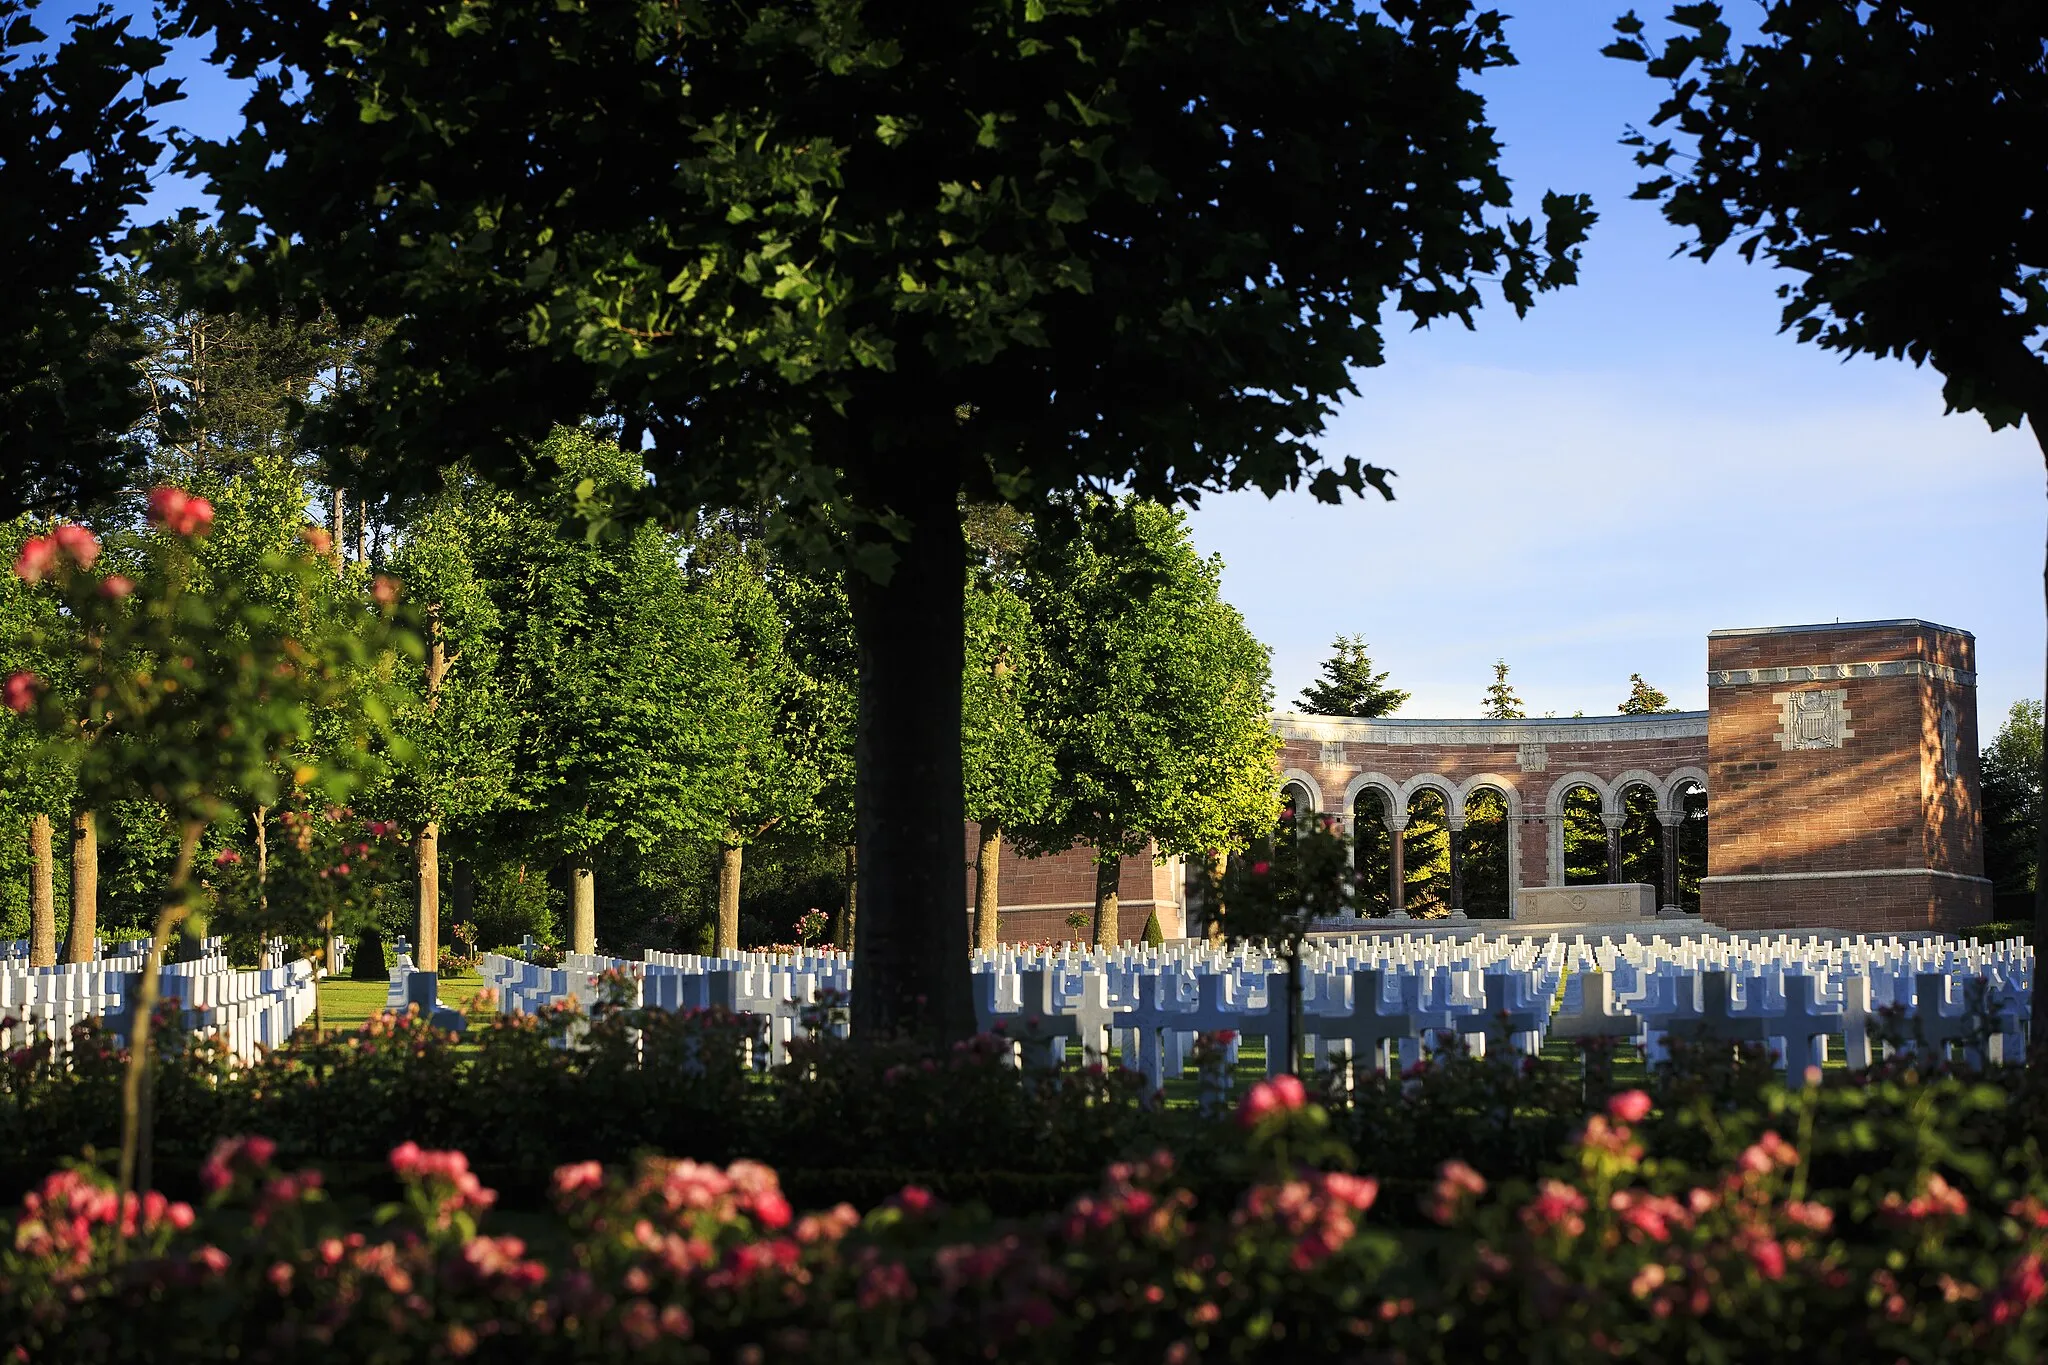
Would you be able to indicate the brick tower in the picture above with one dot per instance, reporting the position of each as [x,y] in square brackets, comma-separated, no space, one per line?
[1842,762]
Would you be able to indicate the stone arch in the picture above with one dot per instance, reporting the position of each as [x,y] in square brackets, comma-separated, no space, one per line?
[1295,777]
[1553,801]
[1510,794]
[1636,832]
[1634,777]
[1669,798]
[1553,813]
[1454,805]
[1387,787]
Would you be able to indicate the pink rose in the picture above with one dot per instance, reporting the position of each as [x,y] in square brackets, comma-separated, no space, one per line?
[1293,1094]
[38,554]
[19,692]
[1262,1099]
[117,585]
[384,589]
[1630,1106]
[772,1209]
[82,545]
[167,505]
[580,1178]
[179,512]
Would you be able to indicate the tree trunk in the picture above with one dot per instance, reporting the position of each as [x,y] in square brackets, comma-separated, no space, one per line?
[849,915]
[426,953]
[81,944]
[988,899]
[1107,877]
[427,957]
[339,525]
[582,910]
[42,901]
[912,977]
[729,858]
[260,818]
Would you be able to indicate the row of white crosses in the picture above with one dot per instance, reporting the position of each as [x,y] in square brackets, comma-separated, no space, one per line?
[776,991]
[1385,1000]
[1796,994]
[248,1010]
[1379,999]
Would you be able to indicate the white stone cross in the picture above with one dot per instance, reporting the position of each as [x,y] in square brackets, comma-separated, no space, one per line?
[1938,1029]
[1805,1027]
[1524,1027]
[1596,1015]
[1856,1048]
[1370,1022]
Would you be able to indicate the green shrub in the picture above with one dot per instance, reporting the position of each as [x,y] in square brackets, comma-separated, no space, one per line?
[1936,1253]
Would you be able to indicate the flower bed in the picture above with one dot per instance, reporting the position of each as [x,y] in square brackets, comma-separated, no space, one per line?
[1937,1254]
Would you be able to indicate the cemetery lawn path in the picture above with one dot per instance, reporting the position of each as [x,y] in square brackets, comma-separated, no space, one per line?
[347,1004]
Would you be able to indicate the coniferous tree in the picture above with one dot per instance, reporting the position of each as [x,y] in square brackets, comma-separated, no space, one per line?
[1349,686]
[1643,699]
[1500,701]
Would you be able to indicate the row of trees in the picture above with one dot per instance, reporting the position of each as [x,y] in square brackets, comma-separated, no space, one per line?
[651,705]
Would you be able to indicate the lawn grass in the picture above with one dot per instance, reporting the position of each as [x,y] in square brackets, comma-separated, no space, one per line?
[346,1005]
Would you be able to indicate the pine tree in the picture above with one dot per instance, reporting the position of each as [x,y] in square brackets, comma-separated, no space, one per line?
[1349,687]
[1500,702]
[1644,700]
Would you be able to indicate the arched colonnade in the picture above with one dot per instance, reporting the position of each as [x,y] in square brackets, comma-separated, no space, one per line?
[1555,790]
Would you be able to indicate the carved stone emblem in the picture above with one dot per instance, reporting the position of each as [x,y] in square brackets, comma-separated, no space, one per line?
[1951,751]
[1333,755]
[1816,719]
[1532,758]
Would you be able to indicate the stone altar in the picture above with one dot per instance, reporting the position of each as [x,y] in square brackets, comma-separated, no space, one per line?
[1596,904]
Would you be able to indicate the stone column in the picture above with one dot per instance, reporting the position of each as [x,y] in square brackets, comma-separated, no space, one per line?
[1397,870]
[1670,820]
[1457,847]
[1613,822]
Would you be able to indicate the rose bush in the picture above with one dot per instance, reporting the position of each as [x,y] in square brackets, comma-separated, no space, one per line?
[1612,1252]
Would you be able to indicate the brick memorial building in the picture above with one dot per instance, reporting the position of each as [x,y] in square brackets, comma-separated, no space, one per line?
[1838,763]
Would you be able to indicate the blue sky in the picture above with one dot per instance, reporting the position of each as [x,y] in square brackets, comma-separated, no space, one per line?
[1587,492]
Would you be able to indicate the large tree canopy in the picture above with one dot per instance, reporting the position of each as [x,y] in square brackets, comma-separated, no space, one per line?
[76,148]
[1892,155]
[861,258]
